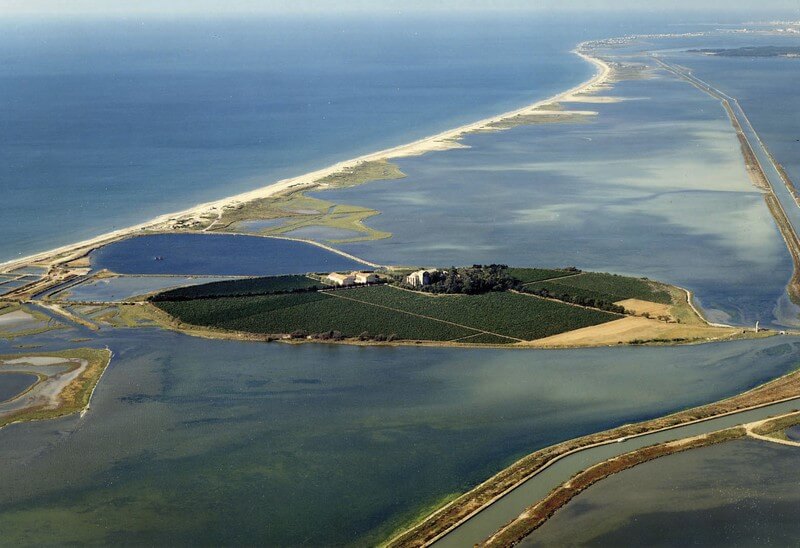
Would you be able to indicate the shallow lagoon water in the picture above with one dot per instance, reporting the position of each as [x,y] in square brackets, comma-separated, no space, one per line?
[323,444]
[324,233]
[216,254]
[739,493]
[256,225]
[12,384]
[125,287]
[766,88]
[660,191]
[11,285]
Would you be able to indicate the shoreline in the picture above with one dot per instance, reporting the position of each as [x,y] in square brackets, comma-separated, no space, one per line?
[444,140]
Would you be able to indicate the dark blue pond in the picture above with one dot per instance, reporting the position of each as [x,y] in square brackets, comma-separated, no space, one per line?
[793,433]
[12,384]
[217,254]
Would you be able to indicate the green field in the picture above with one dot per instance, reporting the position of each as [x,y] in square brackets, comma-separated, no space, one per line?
[310,312]
[510,314]
[246,286]
[526,275]
[492,318]
[606,287]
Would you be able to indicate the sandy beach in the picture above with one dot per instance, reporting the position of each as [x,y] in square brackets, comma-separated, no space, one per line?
[441,141]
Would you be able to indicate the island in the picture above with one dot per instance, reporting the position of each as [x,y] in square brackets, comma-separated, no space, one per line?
[482,305]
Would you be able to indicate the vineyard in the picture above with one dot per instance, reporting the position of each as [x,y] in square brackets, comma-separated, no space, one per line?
[505,313]
[310,313]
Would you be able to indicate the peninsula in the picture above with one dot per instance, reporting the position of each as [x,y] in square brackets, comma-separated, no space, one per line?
[476,305]
[63,383]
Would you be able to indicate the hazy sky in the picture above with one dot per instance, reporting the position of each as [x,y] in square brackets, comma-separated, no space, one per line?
[235,7]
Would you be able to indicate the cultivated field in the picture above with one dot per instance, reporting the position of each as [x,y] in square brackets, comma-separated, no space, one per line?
[491,318]
[514,315]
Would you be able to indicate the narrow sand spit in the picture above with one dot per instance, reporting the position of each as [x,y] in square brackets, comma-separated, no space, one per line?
[442,141]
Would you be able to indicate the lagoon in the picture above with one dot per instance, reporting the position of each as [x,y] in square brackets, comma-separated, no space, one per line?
[216,254]
[12,384]
[324,444]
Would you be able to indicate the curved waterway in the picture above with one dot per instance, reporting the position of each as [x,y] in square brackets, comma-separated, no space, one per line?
[323,444]
[512,505]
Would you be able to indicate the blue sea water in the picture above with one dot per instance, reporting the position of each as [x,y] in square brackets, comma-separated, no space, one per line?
[108,123]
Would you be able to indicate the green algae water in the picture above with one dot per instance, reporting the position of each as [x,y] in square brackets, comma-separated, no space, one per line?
[192,441]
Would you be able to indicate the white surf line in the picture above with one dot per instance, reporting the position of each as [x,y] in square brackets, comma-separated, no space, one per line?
[441,141]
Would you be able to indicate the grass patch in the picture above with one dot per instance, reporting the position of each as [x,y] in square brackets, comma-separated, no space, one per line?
[776,428]
[375,170]
[129,316]
[299,210]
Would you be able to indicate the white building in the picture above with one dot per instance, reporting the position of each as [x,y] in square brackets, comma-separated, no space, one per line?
[365,277]
[419,278]
[353,278]
[341,279]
